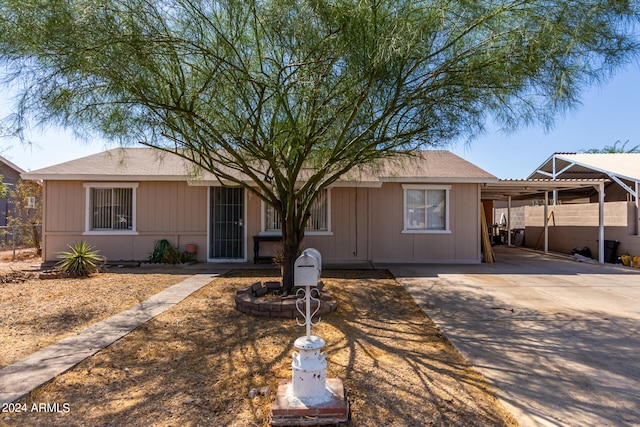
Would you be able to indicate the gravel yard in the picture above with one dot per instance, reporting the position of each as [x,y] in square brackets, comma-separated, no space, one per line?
[196,363]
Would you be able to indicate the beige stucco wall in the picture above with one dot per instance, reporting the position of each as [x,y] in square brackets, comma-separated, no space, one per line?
[165,210]
[366,224]
[348,240]
[389,244]
[576,225]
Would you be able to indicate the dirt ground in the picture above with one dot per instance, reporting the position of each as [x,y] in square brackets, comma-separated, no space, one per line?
[195,364]
[35,313]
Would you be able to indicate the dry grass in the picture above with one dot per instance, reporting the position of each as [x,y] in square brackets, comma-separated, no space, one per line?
[36,313]
[195,364]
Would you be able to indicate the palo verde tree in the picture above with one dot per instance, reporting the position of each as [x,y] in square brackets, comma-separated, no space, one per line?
[282,97]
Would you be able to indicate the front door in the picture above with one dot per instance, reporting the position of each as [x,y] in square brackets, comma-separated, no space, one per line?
[226,227]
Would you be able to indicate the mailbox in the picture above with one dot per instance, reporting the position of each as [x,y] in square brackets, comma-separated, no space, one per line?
[306,270]
[315,253]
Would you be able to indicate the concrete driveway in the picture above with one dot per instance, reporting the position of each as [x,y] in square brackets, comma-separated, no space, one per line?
[560,340]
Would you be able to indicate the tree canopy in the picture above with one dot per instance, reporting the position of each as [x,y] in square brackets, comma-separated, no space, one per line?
[275,88]
[4,189]
[615,148]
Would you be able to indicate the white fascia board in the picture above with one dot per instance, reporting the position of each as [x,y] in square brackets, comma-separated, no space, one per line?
[437,180]
[348,184]
[98,177]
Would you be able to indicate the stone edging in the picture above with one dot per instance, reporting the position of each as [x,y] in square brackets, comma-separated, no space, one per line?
[249,300]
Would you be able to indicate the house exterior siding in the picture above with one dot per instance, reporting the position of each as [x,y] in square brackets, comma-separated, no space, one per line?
[389,244]
[165,210]
[140,197]
[10,176]
[366,224]
[349,223]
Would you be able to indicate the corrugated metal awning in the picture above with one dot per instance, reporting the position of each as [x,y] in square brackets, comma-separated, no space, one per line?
[533,188]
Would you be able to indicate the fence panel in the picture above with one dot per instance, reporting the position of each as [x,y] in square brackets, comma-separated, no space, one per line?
[21,236]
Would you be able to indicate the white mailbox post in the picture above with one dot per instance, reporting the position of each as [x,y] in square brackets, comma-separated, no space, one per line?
[300,401]
[309,364]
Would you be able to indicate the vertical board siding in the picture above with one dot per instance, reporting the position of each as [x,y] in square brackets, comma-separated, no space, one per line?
[386,212]
[389,244]
[65,210]
[158,206]
[348,238]
[366,227]
[165,210]
[171,207]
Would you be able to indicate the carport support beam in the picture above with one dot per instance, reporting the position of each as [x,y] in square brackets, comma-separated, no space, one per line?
[637,208]
[509,222]
[546,222]
[601,222]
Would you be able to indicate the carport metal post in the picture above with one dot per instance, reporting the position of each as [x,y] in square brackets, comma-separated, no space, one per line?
[509,222]
[600,190]
[546,221]
[637,208]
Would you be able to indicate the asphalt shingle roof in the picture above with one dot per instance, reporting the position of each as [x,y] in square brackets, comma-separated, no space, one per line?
[147,164]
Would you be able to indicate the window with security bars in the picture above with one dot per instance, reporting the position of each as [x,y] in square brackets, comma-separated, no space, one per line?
[318,221]
[111,209]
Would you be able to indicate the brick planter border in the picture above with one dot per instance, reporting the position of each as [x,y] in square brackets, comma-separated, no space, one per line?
[250,301]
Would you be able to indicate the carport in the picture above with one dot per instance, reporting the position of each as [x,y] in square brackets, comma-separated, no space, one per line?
[620,168]
[523,189]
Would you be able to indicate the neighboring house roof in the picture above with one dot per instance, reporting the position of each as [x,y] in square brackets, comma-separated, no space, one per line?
[146,164]
[619,167]
[18,169]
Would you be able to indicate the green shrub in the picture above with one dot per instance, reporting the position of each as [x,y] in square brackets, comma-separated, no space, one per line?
[163,252]
[81,261]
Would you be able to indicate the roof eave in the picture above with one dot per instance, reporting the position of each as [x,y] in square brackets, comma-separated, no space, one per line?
[98,177]
[432,180]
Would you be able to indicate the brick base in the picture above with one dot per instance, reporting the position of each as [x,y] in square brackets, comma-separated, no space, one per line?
[333,411]
[250,301]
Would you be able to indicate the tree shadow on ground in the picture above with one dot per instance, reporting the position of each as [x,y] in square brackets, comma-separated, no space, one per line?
[569,368]
[196,363]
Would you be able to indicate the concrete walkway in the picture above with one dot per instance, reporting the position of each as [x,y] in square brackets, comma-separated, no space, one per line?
[19,379]
[560,340]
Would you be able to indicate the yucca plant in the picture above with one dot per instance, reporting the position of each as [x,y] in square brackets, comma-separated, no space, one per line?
[81,261]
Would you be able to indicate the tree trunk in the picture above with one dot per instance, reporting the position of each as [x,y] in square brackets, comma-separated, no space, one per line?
[36,239]
[291,241]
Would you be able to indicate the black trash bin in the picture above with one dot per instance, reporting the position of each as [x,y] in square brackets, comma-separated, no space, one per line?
[611,251]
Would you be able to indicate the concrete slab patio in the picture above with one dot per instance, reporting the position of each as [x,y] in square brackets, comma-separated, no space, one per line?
[559,339]
[20,378]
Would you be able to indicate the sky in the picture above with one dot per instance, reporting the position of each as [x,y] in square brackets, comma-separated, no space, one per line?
[609,112]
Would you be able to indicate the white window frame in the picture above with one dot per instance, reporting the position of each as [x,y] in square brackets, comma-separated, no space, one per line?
[265,232]
[87,222]
[405,226]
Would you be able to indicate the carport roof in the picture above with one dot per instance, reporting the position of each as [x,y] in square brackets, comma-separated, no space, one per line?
[623,168]
[533,188]
[590,166]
